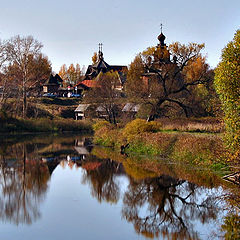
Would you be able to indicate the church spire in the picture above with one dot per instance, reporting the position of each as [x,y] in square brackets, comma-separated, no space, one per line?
[161,37]
[100,53]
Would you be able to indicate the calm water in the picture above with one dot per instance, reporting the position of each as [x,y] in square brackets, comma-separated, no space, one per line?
[60,187]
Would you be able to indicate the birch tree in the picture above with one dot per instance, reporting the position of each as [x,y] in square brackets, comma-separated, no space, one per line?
[20,52]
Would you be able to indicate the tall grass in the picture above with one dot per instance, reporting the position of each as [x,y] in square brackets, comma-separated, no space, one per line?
[211,125]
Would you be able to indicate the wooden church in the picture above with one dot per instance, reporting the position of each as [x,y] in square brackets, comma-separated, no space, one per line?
[93,71]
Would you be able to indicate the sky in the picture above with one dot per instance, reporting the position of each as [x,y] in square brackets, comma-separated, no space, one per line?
[71,30]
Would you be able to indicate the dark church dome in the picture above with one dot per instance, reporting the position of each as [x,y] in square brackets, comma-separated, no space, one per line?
[161,37]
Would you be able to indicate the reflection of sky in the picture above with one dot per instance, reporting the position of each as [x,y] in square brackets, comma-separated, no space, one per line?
[212,229]
[70,212]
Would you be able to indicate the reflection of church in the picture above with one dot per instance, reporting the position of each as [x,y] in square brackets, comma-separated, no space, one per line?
[100,66]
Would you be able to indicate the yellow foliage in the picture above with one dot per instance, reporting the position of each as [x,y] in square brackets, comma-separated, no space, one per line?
[100,124]
[94,57]
[139,126]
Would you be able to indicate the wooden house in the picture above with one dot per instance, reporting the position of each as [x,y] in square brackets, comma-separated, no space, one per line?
[81,111]
[131,109]
[53,84]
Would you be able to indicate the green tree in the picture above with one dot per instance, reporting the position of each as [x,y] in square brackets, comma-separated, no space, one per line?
[227,84]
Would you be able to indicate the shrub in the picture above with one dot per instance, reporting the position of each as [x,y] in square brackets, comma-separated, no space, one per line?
[139,126]
[106,137]
[100,124]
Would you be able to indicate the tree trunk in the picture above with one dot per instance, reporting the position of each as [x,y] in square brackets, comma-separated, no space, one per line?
[153,112]
[151,117]
[24,100]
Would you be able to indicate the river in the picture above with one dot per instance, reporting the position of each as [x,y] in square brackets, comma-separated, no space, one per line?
[62,187]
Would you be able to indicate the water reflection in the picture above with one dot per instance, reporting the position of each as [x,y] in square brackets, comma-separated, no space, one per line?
[102,178]
[23,184]
[172,206]
[163,200]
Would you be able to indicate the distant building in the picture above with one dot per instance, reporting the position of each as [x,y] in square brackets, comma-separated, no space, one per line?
[53,84]
[80,111]
[131,109]
[160,63]
[93,71]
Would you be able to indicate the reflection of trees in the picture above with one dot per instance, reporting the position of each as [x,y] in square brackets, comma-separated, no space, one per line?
[23,185]
[24,177]
[166,205]
[231,225]
[103,182]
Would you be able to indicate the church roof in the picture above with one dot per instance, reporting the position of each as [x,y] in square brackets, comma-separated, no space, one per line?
[100,64]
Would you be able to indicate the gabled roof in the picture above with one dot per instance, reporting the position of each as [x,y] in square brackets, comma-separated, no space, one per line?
[81,150]
[59,79]
[81,85]
[82,107]
[90,83]
[54,80]
[131,107]
[100,108]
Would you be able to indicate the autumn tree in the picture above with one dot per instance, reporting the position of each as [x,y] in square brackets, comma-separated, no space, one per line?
[164,77]
[94,58]
[3,55]
[78,73]
[22,52]
[71,74]
[4,84]
[106,95]
[63,73]
[227,84]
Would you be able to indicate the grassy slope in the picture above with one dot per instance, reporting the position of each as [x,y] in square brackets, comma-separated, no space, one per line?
[53,115]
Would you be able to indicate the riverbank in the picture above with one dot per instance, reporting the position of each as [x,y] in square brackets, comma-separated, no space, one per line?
[141,138]
[12,125]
